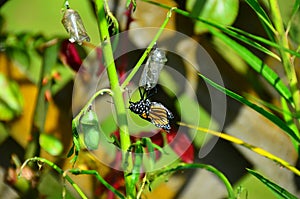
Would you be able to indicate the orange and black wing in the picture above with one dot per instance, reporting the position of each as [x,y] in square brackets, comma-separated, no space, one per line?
[159,115]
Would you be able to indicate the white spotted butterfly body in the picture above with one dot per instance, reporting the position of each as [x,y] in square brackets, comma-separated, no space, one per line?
[154,112]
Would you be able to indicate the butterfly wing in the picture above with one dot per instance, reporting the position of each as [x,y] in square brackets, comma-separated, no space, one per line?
[159,115]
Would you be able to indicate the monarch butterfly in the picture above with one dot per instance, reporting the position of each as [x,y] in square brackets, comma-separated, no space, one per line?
[154,112]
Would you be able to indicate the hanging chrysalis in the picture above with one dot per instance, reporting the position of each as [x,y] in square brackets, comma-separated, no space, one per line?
[74,26]
[89,126]
[156,61]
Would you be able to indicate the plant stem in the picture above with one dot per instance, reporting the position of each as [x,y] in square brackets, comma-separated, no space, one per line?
[56,168]
[83,110]
[286,58]
[147,51]
[117,95]
[76,120]
[209,168]
[236,34]
[99,177]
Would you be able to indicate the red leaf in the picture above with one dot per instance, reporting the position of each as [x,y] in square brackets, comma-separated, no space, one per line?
[182,146]
[69,55]
[128,14]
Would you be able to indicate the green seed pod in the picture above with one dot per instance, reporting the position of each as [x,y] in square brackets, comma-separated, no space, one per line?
[89,126]
[74,26]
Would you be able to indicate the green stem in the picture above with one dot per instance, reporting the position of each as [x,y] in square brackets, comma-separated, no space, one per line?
[99,177]
[83,110]
[75,122]
[147,51]
[286,58]
[232,31]
[117,94]
[209,168]
[283,45]
[56,168]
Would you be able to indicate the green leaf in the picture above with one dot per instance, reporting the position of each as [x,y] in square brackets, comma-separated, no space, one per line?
[51,144]
[220,11]
[273,118]
[266,22]
[6,114]
[22,49]
[279,191]
[295,30]
[76,141]
[149,145]
[291,17]
[273,107]
[252,40]
[71,151]
[138,160]
[234,32]
[231,57]
[11,100]
[49,61]
[288,117]
[258,65]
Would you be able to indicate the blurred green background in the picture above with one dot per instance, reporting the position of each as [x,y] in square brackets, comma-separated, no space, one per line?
[45,17]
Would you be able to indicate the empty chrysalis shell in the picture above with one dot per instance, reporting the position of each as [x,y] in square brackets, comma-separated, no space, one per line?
[89,126]
[156,61]
[74,26]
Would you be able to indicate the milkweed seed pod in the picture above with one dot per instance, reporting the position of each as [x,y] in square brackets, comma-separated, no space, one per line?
[156,61]
[74,26]
[89,126]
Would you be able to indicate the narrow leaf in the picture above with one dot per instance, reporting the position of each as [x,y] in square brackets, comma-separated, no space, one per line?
[240,142]
[258,109]
[258,65]
[278,190]
[151,151]
[264,18]
[234,32]
[288,117]
[49,60]
[138,160]
[246,38]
